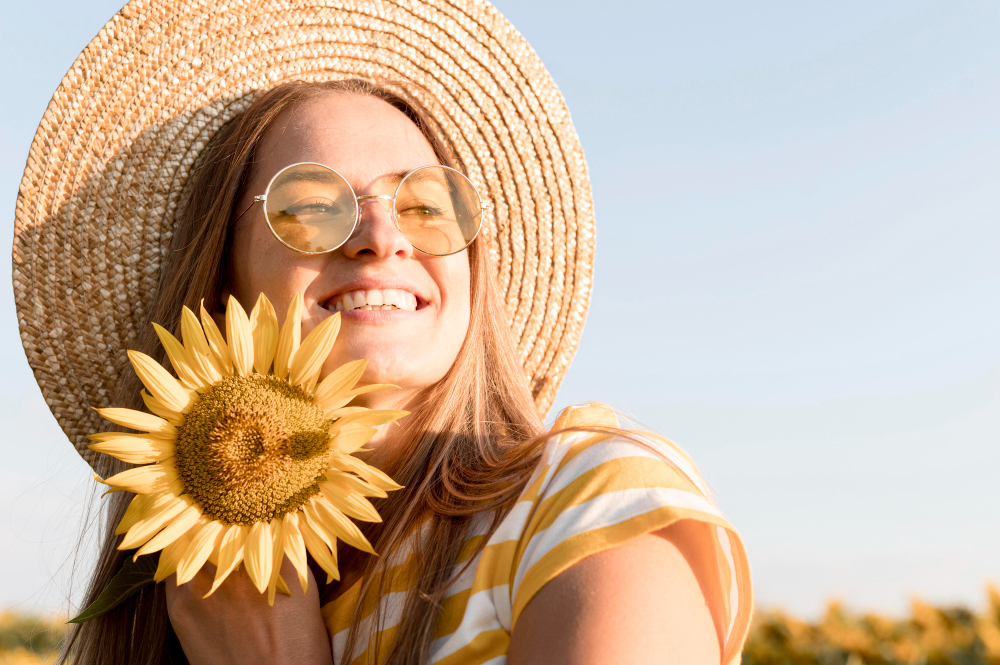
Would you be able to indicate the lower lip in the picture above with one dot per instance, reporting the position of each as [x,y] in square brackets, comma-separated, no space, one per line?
[377,315]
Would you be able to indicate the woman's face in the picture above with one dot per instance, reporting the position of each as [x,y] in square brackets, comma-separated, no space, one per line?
[372,144]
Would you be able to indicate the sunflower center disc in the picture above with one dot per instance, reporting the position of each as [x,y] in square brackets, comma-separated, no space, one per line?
[252,448]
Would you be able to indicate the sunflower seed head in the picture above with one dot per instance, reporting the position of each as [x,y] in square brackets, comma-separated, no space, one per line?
[252,448]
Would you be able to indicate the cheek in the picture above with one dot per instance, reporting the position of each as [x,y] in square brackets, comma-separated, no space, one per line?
[466,304]
[242,276]
[457,293]
[256,266]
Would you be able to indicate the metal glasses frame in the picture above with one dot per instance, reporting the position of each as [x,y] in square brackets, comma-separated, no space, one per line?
[262,198]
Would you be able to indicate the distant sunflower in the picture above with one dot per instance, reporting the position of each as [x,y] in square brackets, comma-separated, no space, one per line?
[242,464]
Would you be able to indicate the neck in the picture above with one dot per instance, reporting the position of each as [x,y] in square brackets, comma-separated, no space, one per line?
[390,398]
[405,399]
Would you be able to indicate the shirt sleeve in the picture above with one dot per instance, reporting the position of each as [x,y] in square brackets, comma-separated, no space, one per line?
[598,489]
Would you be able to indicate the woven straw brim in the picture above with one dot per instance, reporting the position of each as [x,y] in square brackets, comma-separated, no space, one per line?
[113,152]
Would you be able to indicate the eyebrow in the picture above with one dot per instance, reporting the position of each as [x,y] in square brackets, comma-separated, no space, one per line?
[397,176]
[308,175]
[322,175]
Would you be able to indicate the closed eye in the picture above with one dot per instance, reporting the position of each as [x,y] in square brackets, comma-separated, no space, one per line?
[312,207]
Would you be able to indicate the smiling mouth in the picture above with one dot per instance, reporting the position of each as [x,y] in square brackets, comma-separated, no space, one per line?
[383,299]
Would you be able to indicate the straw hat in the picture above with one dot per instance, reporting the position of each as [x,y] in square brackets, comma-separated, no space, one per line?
[114,150]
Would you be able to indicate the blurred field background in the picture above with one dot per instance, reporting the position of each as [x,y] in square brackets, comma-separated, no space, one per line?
[928,636]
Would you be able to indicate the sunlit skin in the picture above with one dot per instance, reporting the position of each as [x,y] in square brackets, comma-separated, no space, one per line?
[654,599]
[370,143]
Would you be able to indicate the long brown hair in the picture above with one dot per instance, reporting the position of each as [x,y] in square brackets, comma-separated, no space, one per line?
[467,449]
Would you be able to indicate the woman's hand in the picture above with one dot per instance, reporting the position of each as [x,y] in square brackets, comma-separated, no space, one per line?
[235,624]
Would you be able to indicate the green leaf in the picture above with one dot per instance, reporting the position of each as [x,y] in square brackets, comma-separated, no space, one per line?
[133,576]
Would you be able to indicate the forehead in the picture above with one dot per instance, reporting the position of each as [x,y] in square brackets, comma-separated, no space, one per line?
[361,137]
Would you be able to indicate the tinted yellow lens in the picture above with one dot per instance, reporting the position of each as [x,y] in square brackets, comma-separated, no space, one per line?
[438,210]
[311,208]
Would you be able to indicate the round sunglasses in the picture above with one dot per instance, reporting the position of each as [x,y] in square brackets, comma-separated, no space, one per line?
[312,209]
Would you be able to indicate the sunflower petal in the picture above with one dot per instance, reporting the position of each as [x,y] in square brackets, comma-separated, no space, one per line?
[295,548]
[206,534]
[348,484]
[161,409]
[199,349]
[324,515]
[136,510]
[324,553]
[289,338]
[159,382]
[139,420]
[264,328]
[179,359]
[346,411]
[230,554]
[277,554]
[350,437]
[207,367]
[158,514]
[132,448]
[220,355]
[102,437]
[282,586]
[139,480]
[366,472]
[335,403]
[177,528]
[346,501]
[258,555]
[369,418]
[111,489]
[239,336]
[171,480]
[339,381]
[192,333]
[309,359]
[170,557]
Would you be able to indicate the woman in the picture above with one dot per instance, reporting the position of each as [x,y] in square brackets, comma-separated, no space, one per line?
[509,544]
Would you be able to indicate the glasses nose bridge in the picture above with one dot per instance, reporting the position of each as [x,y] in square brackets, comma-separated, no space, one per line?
[376,197]
[385,198]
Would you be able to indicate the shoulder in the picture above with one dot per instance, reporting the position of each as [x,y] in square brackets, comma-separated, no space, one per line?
[592,463]
[631,603]
[599,488]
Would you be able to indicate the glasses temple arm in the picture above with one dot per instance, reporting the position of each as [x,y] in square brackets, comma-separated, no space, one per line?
[256,199]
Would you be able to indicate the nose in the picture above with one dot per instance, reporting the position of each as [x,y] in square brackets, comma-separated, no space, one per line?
[376,233]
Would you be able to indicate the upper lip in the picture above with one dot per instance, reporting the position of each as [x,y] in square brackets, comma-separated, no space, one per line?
[370,283]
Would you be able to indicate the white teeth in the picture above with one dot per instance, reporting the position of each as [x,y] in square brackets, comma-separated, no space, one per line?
[401,299]
[375,299]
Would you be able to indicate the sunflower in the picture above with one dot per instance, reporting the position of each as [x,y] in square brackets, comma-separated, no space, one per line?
[246,457]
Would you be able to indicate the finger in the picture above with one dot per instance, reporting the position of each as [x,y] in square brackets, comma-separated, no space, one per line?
[202,581]
[178,600]
[288,573]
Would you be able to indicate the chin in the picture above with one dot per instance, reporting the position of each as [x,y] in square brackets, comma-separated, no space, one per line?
[397,368]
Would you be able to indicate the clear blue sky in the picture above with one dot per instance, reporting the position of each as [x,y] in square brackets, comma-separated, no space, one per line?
[797,278]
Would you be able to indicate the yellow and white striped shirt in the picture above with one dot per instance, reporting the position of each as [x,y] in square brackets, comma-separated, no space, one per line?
[588,494]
